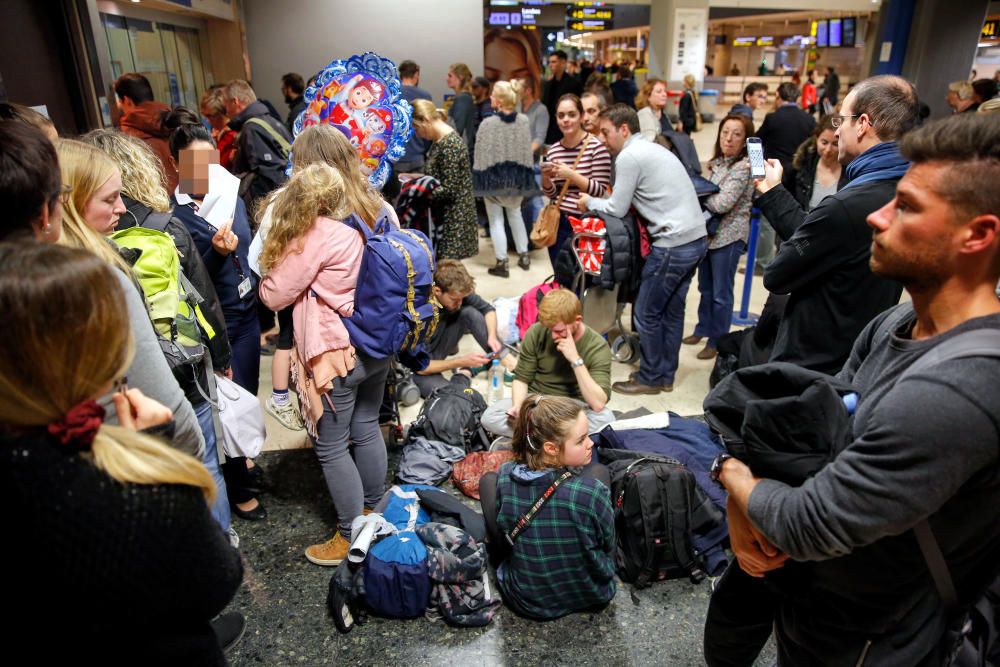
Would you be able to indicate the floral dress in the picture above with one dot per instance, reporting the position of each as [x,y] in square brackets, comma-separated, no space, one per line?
[457,234]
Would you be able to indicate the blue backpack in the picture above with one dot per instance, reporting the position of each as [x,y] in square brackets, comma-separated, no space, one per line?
[396,580]
[393,310]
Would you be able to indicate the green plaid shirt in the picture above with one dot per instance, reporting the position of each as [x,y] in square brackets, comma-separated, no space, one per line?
[563,561]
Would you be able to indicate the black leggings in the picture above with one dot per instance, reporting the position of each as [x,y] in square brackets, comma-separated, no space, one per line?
[496,542]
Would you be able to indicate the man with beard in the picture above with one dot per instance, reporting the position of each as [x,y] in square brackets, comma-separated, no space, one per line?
[292,87]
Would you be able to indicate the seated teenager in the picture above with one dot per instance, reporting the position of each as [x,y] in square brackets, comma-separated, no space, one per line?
[559,356]
[561,561]
[462,311]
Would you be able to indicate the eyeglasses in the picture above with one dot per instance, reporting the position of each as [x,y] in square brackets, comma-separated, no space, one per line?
[837,121]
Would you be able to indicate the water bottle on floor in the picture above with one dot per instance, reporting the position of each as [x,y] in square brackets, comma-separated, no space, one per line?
[495,392]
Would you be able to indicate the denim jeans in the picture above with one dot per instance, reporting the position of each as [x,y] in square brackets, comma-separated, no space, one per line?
[220,508]
[659,309]
[564,234]
[716,274]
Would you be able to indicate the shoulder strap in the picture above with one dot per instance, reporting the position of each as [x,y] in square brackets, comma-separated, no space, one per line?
[975,343]
[565,187]
[285,146]
[523,522]
[157,221]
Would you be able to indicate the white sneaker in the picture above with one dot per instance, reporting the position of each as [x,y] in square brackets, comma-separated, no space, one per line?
[287,415]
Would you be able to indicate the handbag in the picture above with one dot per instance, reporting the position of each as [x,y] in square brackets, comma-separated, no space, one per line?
[546,227]
[243,430]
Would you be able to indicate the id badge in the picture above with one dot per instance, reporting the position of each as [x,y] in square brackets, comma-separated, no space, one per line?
[244,287]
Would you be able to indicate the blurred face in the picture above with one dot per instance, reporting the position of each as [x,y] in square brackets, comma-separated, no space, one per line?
[194,166]
[758,100]
[577,449]
[105,206]
[451,301]
[453,81]
[732,136]
[915,233]
[658,96]
[568,118]
[614,137]
[827,145]
[591,109]
[557,65]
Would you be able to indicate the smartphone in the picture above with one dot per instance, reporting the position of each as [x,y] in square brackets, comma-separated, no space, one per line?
[755,150]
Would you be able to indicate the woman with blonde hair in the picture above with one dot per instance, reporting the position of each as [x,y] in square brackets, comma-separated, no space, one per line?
[109,520]
[455,234]
[462,113]
[90,215]
[502,174]
[652,105]
[311,259]
[689,117]
[147,205]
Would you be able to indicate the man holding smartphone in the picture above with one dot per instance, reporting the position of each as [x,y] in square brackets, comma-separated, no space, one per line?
[462,311]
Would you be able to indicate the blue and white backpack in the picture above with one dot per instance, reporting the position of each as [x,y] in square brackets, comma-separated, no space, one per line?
[393,309]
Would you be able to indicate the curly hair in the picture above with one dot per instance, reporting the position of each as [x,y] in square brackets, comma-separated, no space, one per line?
[314,191]
[142,173]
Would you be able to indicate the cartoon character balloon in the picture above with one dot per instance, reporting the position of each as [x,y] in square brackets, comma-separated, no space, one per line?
[362,97]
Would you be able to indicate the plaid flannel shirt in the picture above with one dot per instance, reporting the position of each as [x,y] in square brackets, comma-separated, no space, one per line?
[563,561]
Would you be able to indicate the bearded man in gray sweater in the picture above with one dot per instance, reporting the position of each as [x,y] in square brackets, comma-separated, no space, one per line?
[923,467]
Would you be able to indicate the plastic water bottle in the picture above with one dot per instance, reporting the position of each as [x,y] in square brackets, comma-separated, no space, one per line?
[496,382]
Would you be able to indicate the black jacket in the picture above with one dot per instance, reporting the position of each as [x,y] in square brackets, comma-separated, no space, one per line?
[823,267]
[294,109]
[260,160]
[782,132]
[622,262]
[687,113]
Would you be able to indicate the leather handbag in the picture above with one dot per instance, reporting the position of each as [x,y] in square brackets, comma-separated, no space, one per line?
[546,227]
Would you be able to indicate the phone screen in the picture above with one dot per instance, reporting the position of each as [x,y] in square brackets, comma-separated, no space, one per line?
[755,150]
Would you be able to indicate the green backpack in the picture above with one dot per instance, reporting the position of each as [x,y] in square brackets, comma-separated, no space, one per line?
[172,301]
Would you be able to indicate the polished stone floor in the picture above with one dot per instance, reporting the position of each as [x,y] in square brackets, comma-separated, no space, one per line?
[284,599]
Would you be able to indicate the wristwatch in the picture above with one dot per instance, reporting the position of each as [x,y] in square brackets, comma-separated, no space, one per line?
[716,470]
[577,363]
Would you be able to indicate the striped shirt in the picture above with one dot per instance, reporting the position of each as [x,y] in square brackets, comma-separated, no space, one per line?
[595,166]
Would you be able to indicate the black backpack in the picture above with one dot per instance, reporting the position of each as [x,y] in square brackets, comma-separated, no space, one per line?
[657,506]
[452,414]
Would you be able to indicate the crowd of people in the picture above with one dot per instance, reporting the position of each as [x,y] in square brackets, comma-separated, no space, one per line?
[109,432]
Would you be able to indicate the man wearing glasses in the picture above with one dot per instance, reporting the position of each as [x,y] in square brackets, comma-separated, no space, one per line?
[823,261]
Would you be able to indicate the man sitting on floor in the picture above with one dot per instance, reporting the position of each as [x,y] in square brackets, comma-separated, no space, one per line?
[462,311]
[560,356]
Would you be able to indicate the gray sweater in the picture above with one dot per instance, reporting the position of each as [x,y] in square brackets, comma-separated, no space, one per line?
[650,177]
[150,373]
[925,447]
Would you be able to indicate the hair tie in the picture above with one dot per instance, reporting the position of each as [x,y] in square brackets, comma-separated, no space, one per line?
[79,425]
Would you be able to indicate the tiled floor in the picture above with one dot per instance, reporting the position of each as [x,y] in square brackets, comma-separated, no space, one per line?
[283,596]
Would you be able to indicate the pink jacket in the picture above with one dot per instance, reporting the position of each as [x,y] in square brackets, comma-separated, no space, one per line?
[320,281]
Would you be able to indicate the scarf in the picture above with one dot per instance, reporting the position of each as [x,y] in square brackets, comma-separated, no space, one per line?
[882,162]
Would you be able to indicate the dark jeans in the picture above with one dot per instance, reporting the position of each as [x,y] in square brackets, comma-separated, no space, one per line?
[716,274]
[497,542]
[244,338]
[659,309]
[565,233]
[740,618]
[443,345]
[349,445]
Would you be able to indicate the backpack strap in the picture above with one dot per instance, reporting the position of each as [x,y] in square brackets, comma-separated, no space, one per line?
[281,141]
[525,520]
[975,343]
[157,221]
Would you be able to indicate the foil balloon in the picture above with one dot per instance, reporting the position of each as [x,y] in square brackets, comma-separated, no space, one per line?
[362,97]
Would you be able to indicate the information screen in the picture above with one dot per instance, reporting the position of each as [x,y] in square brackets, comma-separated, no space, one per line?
[836,36]
[850,27]
[821,33]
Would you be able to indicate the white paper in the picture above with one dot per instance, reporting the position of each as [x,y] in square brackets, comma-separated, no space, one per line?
[219,205]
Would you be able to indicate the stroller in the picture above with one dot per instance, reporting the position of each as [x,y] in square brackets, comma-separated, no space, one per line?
[400,389]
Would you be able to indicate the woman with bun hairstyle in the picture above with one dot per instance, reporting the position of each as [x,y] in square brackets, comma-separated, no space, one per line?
[109,521]
[448,161]
[224,250]
[311,259]
[90,215]
[562,561]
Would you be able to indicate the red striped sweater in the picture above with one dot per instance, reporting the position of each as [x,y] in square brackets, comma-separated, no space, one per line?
[595,166]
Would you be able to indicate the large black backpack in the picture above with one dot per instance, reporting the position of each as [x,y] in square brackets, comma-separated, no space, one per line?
[657,507]
[452,414]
